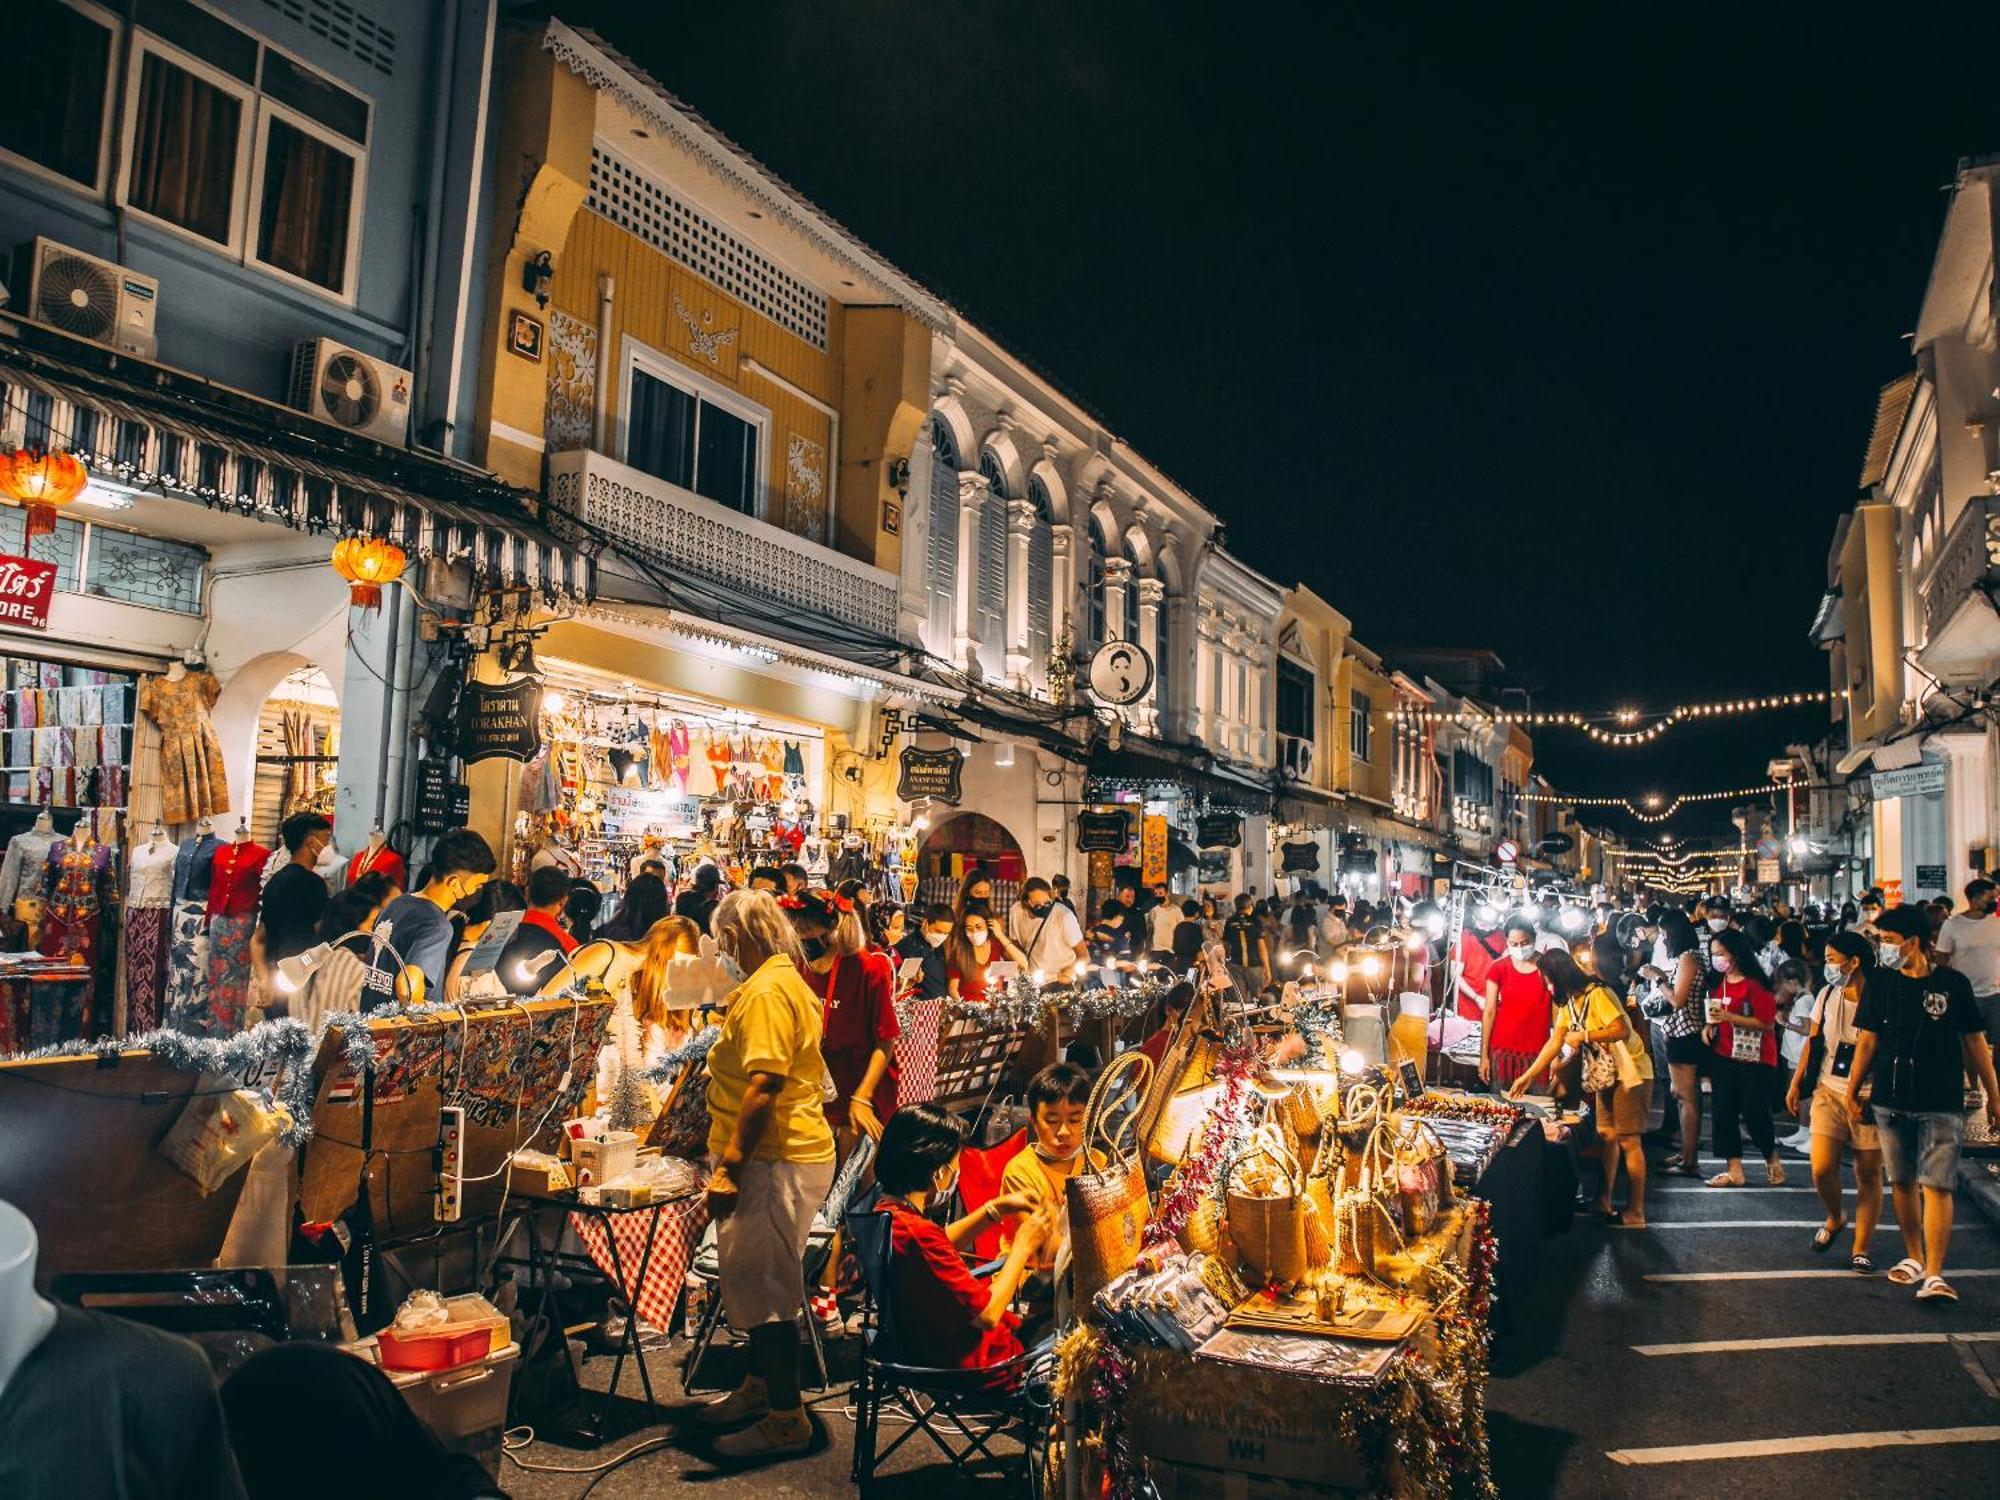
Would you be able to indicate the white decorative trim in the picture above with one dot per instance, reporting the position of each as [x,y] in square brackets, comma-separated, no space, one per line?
[651,103]
[516,436]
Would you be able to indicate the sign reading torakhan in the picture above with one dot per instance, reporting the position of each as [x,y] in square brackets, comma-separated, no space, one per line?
[501,720]
[935,774]
[25,587]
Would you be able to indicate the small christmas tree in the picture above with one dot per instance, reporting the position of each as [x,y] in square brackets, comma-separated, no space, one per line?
[627,1108]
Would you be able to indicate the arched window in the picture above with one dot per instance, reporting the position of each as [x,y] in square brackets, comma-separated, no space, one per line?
[1041,573]
[989,626]
[1093,584]
[943,558]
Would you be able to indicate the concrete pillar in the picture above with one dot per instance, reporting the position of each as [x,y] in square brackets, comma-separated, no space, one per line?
[1117,579]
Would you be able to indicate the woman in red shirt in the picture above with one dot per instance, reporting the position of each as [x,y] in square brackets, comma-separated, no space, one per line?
[858,985]
[1746,1057]
[975,944]
[1519,1009]
[945,1317]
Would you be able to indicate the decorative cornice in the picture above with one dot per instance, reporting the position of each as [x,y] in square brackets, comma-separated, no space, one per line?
[650,102]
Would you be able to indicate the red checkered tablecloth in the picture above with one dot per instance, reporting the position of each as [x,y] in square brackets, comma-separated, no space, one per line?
[679,1230]
[917,1051]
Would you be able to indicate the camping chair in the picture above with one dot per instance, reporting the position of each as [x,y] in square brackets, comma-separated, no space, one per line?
[979,1172]
[960,1411]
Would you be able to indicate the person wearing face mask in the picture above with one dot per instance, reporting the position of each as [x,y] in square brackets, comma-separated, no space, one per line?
[857,987]
[947,1318]
[1519,1009]
[975,944]
[1744,1039]
[1047,932]
[1818,1094]
[925,942]
[1920,1034]
[1970,943]
[1870,914]
[413,936]
[1057,1099]
[774,1159]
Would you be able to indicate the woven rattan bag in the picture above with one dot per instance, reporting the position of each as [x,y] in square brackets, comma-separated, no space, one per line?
[1108,1208]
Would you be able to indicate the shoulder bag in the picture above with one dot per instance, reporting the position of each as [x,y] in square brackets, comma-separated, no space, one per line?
[1107,1205]
[1683,1020]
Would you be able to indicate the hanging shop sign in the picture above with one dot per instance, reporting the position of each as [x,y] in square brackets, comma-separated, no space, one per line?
[1298,859]
[640,809]
[1930,877]
[1153,851]
[1356,859]
[501,720]
[935,774]
[26,586]
[1103,832]
[1770,873]
[1120,673]
[1556,843]
[441,802]
[1218,831]
[1910,781]
[1212,866]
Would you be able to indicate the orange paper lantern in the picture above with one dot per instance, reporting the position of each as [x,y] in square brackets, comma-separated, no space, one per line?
[41,481]
[367,563]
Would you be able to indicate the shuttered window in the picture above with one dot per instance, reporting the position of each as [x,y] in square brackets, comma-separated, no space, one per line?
[943,536]
[990,628]
[1041,576]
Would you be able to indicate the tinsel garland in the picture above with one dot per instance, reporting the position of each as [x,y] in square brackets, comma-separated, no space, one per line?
[1320,1026]
[694,1050]
[1202,1172]
[1023,1005]
[283,1045]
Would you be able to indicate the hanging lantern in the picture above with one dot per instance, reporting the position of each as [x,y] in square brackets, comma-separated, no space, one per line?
[41,481]
[367,563]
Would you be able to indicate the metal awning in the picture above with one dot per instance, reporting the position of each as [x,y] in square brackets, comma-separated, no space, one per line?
[173,434]
[1856,758]
[1153,763]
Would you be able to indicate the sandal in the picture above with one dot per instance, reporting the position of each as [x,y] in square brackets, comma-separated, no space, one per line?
[1686,1169]
[1861,1265]
[1723,1179]
[1907,1271]
[1823,1241]
[1936,1289]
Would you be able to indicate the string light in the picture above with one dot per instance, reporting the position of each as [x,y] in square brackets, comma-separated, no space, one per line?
[1653,812]
[1626,730]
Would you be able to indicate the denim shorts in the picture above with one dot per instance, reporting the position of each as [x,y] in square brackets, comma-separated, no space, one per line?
[1920,1146]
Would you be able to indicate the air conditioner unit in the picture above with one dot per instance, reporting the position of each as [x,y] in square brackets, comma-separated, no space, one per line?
[352,390]
[88,296]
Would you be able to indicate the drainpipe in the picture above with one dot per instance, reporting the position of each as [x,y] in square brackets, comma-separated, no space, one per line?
[475,184]
[395,758]
[423,336]
[600,418]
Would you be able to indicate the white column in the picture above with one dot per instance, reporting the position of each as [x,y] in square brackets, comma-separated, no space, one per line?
[1151,592]
[1020,529]
[1117,579]
[1182,720]
[972,492]
[1062,578]
[1204,683]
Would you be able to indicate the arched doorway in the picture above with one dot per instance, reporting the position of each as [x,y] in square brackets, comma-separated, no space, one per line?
[962,842]
[298,748]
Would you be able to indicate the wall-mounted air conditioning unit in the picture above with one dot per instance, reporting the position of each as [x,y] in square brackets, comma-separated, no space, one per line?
[88,296]
[352,390]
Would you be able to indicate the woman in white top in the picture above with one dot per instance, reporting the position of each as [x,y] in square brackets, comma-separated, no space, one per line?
[1821,1077]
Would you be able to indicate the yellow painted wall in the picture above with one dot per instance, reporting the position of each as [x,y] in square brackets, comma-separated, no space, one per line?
[1872,600]
[1369,778]
[884,396]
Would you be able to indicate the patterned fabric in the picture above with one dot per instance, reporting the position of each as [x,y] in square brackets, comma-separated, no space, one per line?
[70,922]
[193,781]
[674,1234]
[917,1050]
[187,967]
[145,967]
[228,972]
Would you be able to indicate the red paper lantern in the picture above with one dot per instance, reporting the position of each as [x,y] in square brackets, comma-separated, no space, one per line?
[367,563]
[41,481]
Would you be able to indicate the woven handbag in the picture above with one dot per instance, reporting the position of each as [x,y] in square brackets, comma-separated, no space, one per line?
[1182,1091]
[1268,1208]
[1108,1208]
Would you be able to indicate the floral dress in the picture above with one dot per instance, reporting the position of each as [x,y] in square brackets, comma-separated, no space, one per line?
[193,782]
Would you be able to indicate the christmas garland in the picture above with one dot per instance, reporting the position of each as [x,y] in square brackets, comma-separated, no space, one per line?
[1201,1174]
[694,1050]
[1023,1005]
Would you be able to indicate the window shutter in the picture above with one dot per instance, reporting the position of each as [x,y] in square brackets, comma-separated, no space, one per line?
[1041,578]
[944,535]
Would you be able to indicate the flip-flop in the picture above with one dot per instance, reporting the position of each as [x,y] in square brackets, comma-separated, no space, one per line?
[1936,1289]
[1861,1265]
[1723,1179]
[1823,1240]
[1907,1271]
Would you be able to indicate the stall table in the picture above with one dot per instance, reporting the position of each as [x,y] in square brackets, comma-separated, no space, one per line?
[42,1001]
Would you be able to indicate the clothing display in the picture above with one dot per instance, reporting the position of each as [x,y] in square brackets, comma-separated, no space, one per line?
[193,781]
[146,966]
[194,869]
[186,1006]
[378,859]
[233,892]
[78,872]
[24,872]
[236,879]
[149,876]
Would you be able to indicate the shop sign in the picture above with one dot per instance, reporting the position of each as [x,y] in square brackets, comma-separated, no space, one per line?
[1298,859]
[1153,851]
[1357,861]
[1910,781]
[1769,872]
[1930,877]
[501,720]
[441,802]
[1218,831]
[1101,876]
[1120,673]
[1556,843]
[635,809]
[935,774]
[1212,866]
[26,586]
[1103,832]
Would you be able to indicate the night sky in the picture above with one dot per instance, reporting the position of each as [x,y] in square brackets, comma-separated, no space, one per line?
[1566,332]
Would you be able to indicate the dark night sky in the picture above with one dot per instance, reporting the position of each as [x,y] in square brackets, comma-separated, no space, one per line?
[1566,332]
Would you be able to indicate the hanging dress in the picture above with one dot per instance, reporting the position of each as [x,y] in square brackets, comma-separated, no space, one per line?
[677,750]
[193,781]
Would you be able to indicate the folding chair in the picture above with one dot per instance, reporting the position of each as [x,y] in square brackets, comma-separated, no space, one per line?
[960,1411]
[979,1173]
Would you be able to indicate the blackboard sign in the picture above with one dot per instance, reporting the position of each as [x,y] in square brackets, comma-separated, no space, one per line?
[1556,843]
[1212,866]
[501,720]
[1359,861]
[1931,877]
[1296,859]
[441,802]
[1218,831]
[931,773]
[1103,832]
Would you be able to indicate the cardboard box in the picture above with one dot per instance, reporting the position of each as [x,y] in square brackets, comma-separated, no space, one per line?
[1191,1482]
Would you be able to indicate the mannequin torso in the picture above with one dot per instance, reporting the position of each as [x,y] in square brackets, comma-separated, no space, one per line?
[25,1315]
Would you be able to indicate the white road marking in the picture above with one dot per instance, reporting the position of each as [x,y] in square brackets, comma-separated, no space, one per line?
[1777,1224]
[1831,1442]
[1691,1188]
[1825,1341]
[1955,1274]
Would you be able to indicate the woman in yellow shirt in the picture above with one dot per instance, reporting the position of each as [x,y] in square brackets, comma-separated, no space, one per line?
[773,1153]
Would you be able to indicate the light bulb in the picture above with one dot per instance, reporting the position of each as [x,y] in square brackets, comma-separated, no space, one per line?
[1353,1062]
[553,701]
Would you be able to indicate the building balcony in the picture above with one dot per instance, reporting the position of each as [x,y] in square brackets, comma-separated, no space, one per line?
[1961,619]
[665,524]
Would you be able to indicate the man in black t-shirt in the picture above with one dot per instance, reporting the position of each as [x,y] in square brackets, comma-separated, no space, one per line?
[1244,947]
[1920,1032]
[289,909]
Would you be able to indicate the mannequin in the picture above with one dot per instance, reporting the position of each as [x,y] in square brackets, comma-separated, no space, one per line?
[377,856]
[149,902]
[187,934]
[233,894]
[25,1315]
[21,873]
[78,867]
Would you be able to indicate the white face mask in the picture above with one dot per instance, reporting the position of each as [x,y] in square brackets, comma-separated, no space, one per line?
[1891,956]
[1720,963]
[730,966]
[936,939]
[1521,953]
[1716,924]
[1835,974]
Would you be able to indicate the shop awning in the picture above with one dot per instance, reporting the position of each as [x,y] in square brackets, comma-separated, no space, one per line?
[178,435]
[1149,764]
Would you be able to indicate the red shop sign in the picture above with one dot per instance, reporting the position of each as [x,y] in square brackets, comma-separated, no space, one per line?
[25,588]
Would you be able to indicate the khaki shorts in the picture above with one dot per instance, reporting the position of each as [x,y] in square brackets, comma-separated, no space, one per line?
[762,1245]
[1831,1119]
[1625,1109]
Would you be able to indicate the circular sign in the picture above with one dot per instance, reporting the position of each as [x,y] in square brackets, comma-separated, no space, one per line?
[1120,673]
[1506,851]
[1556,843]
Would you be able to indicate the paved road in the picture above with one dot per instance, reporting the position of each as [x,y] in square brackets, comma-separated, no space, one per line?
[1644,1366]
